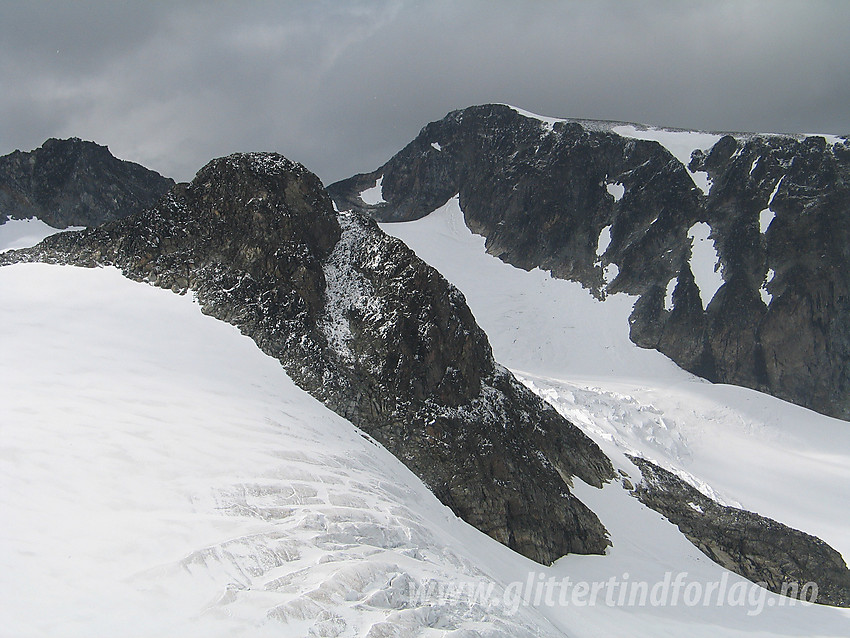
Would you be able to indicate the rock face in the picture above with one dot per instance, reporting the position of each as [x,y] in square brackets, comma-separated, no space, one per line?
[780,558]
[75,183]
[361,323]
[546,194]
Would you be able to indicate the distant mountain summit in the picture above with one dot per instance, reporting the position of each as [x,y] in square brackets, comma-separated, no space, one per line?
[75,183]
[734,244]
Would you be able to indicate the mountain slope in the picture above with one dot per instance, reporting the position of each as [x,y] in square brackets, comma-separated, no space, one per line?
[359,321]
[176,483]
[74,183]
[735,253]
[736,446]
[162,477]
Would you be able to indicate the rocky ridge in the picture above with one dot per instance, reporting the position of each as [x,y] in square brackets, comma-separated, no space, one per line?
[75,183]
[620,214]
[361,323]
[781,559]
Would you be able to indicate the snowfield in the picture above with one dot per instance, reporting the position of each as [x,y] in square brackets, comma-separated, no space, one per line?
[160,476]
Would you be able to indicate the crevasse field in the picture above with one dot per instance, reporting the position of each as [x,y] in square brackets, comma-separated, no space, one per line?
[159,475]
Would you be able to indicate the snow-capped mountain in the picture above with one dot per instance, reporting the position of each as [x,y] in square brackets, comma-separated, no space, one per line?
[733,244]
[163,474]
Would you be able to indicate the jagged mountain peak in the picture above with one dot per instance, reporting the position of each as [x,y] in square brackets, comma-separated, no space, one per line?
[748,230]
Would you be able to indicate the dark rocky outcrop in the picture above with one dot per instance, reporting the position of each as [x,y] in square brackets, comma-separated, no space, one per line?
[762,550]
[539,193]
[75,183]
[361,323]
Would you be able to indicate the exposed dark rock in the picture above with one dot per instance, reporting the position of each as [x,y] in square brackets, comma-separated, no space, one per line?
[758,548]
[538,193]
[364,325]
[75,183]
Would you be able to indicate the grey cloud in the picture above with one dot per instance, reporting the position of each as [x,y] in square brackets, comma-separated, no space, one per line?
[340,86]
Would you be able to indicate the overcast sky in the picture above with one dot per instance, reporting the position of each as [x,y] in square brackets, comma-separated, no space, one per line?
[340,86]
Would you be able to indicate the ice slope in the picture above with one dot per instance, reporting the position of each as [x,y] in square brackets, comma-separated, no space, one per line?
[160,476]
[741,446]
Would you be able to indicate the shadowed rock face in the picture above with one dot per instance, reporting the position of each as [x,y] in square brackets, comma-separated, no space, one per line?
[360,322]
[757,548]
[540,196]
[75,183]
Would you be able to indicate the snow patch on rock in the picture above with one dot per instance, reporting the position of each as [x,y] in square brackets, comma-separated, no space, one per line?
[668,294]
[346,289]
[704,262]
[374,195]
[766,297]
[767,215]
[604,240]
[616,190]
[547,122]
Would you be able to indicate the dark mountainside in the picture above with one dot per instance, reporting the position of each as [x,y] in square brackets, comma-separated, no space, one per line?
[360,322]
[75,183]
[539,194]
[757,548]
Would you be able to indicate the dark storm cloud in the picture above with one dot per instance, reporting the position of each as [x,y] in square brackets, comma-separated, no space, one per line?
[340,86]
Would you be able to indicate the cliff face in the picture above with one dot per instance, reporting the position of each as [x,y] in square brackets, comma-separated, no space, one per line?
[75,183]
[361,323]
[620,214]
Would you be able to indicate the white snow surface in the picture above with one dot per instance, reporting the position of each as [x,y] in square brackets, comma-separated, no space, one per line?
[616,190]
[160,476]
[668,295]
[701,179]
[374,195]
[767,216]
[766,297]
[604,241]
[23,233]
[704,262]
[548,122]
